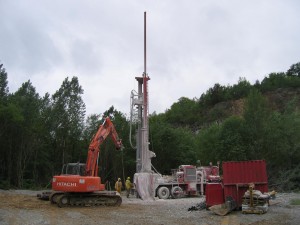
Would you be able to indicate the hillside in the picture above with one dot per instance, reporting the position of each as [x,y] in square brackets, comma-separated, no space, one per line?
[277,99]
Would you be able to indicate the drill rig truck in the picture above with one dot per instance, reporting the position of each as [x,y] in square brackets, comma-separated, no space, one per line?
[187,180]
[79,183]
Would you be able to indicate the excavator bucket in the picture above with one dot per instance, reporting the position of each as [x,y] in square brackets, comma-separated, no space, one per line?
[225,208]
[221,209]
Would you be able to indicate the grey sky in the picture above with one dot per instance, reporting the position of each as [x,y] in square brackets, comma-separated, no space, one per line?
[191,45]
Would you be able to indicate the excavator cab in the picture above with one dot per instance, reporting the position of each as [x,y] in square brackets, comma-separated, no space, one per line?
[73,169]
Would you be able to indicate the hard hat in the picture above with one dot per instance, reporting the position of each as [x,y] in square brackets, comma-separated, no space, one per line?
[128,178]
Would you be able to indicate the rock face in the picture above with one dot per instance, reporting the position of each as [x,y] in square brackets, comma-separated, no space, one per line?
[277,99]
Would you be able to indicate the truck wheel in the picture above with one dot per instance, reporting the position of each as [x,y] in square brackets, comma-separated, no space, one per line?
[176,192]
[163,192]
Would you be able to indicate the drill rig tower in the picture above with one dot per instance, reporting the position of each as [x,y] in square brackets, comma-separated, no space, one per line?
[139,111]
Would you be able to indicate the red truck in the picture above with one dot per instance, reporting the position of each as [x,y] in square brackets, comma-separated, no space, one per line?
[187,180]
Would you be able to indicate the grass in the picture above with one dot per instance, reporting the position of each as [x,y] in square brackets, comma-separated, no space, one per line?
[295,201]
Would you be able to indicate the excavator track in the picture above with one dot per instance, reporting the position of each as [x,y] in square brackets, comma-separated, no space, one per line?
[63,199]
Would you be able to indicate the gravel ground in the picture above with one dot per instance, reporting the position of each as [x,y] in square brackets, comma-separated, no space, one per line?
[22,207]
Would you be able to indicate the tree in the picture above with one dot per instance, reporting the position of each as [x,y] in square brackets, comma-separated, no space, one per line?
[214,95]
[279,80]
[172,146]
[3,95]
[10,119]
[41,165]
[208,144]
[3,84]
[256,116]
[90,127]
[294,70]
[24,135]
[68,111]
[231,140]
[182,112]
[240,90]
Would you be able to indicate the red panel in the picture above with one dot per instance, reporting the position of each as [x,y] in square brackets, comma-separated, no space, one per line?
[238,175]
[214,194]
[245,172]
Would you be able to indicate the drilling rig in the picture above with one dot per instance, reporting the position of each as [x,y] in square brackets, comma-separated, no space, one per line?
[188,180]
[144,177]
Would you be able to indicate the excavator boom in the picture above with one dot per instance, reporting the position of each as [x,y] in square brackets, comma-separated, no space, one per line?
[106,129]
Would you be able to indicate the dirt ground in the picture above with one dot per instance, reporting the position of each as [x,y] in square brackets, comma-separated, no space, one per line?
[22,207]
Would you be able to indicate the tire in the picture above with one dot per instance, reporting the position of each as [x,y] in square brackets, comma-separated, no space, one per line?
[176,192]
[163,193]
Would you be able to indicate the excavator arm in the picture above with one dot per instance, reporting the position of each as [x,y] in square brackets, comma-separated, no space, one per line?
[106,129]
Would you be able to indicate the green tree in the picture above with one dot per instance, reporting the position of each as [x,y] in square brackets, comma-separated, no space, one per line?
[282,147]
[68,111]
[294,70]
[172,146]
[240,90]
[256,115]
[214,95]
[273,81]
[25,133]
[208,144]
[182,113]
[41,165]
[279,80]
[3,84]
[10,119]
[90,127]
[231,140]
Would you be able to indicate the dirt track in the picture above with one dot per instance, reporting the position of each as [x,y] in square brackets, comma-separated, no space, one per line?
[22,207]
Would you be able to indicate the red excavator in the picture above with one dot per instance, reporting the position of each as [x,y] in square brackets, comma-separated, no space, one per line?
[79,183]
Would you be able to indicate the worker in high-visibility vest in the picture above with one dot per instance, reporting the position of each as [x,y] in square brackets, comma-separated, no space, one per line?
[118,185]
[128,186]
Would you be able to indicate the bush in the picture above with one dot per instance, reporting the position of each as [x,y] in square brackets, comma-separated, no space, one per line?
[295,201]
[4,184]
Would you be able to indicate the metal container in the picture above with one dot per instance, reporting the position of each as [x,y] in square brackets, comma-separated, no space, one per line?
[214,194]
[238,175]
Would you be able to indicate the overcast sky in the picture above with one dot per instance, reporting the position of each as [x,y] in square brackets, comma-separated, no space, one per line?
[191,45]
